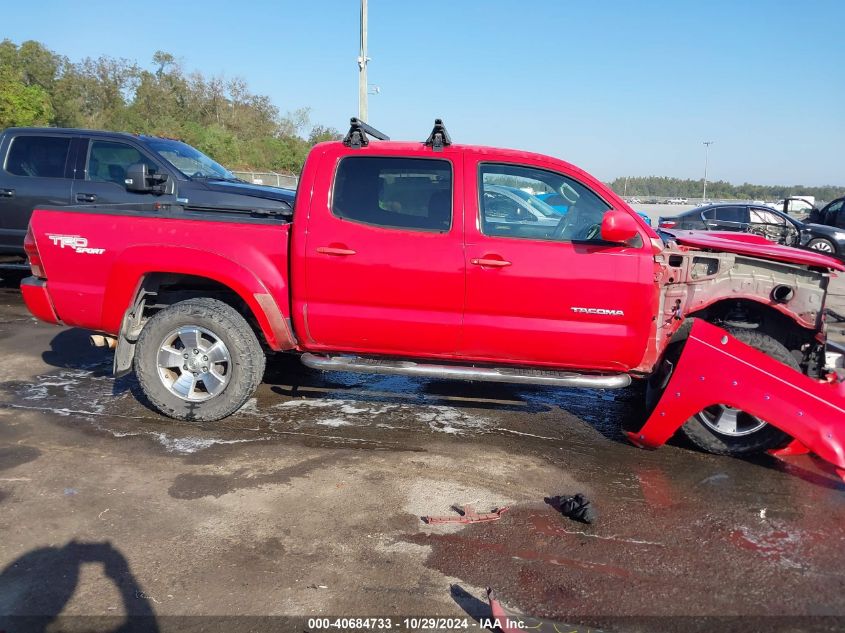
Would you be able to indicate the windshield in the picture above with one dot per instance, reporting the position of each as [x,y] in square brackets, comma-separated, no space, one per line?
[191,162]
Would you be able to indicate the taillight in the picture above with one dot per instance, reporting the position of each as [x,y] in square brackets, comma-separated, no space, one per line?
[667,224]
[31,251]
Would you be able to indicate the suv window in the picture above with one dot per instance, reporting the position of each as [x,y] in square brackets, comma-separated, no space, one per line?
[401,193]
[108,161]
[831,212]
[38,156]
[532,203]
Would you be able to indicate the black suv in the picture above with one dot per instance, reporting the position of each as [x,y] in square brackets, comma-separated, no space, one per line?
[53,167]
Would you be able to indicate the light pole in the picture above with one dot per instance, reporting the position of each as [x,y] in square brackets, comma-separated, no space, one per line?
[362,65]
[707,145]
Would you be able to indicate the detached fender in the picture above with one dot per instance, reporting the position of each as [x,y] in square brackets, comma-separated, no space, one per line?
[715,368]
[137,262]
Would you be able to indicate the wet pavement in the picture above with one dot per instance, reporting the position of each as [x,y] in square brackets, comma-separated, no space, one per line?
[308,502]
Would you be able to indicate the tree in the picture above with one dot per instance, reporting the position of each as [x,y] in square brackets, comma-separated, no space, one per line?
[22,105]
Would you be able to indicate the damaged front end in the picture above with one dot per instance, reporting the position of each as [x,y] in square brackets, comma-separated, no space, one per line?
[715,368]
[715,288]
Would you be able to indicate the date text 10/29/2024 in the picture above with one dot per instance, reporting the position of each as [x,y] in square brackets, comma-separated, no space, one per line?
[414,624]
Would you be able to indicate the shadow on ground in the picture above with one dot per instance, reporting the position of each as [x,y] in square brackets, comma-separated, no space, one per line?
[35,588]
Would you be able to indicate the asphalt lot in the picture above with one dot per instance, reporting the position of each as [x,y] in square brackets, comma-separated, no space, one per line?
[308,503]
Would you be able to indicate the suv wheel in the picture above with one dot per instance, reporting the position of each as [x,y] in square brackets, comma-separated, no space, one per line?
[198,360]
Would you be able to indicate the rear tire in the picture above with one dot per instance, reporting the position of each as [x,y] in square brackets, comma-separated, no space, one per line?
[198,360]
[750,435]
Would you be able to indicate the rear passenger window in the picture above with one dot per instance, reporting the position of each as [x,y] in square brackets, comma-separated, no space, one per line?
[402,193]
[731,214]
[38,156]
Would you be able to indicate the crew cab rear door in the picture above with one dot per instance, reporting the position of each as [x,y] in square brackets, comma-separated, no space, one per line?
[383,258]
[37,173]
[551,293]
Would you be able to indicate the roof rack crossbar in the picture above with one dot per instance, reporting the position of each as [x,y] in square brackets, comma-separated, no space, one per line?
[356,137]
[439,137]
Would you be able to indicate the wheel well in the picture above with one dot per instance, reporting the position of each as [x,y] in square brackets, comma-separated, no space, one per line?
[156,292]
[744,313]
[160,290]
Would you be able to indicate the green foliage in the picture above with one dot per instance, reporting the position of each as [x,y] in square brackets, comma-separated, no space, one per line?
[661,186]
[220,117]
[21,104]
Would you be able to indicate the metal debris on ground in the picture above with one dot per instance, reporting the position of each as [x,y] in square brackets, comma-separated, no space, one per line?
[467,515]
[577,508]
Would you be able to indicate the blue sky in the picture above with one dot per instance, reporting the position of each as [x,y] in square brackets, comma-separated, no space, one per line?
[616,87]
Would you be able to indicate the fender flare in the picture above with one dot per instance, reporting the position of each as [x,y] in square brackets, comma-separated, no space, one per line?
[133,266]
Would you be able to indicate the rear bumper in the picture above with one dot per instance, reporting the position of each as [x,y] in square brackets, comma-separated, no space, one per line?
[38,300]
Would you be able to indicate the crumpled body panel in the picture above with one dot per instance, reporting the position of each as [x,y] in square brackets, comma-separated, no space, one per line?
[715,368]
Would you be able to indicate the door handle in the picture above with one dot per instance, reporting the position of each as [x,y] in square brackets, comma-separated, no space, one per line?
[85,197]
[335,250]
[493,263]
[7,193]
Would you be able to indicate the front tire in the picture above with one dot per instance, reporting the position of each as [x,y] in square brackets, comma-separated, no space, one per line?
[822,245]
[198,360]
[726,431]
[719,429]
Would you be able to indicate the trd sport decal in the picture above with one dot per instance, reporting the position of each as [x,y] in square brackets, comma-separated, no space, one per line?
[75,243]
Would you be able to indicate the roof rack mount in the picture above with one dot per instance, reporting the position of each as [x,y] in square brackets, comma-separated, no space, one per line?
[439,137]
[356,137]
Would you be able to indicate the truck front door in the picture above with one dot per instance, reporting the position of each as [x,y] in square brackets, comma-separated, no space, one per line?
[384,265]
[551,292]
[101,178]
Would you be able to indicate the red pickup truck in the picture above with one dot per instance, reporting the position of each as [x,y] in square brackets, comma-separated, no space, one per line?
[434,259]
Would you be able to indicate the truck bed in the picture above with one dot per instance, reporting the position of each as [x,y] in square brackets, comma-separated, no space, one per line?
[110,249]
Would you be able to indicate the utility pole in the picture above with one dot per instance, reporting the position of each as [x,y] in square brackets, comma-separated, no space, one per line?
[362,65]
[707,145]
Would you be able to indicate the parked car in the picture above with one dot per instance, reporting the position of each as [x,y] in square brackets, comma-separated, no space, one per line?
[677,201]
[645,218]
[828,214]
[63,167]
[391,261]
[511,205]
[772,224]
[828,227]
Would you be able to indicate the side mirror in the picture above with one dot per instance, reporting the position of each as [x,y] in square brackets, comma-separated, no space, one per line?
[618,227]
[140,180]
[136,178]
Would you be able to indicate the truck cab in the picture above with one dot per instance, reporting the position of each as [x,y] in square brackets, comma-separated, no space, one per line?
[465,271]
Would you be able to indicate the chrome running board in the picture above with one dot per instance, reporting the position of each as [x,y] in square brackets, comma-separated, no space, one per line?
[456,372]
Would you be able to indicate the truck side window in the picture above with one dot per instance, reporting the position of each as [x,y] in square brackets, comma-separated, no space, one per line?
[38,156]
[108,161]
[402,193]
[532,203]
